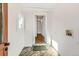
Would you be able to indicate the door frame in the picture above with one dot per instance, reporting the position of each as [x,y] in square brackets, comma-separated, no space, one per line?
[5,21]
[44,25]
[5,26]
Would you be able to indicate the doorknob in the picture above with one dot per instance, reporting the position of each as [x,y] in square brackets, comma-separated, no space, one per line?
[6,44]
[6,48]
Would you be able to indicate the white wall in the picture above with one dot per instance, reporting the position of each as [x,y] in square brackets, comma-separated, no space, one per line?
[15,36]
[62,17]
[28,35]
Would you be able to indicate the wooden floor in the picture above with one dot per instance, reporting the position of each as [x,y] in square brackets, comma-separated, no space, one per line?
[28,51]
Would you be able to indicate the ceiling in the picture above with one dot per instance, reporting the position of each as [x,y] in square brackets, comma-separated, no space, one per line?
[45,6]
[38,5]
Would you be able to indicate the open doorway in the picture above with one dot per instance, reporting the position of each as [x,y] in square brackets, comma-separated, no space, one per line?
[40,38]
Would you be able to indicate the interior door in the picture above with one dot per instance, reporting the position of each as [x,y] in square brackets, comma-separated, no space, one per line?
[4,29]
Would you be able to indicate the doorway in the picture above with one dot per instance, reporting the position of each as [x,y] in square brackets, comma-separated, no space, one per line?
[40,38]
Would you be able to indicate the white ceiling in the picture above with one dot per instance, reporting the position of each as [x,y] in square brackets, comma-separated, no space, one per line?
[43,6]
[47,6]
[38,5]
